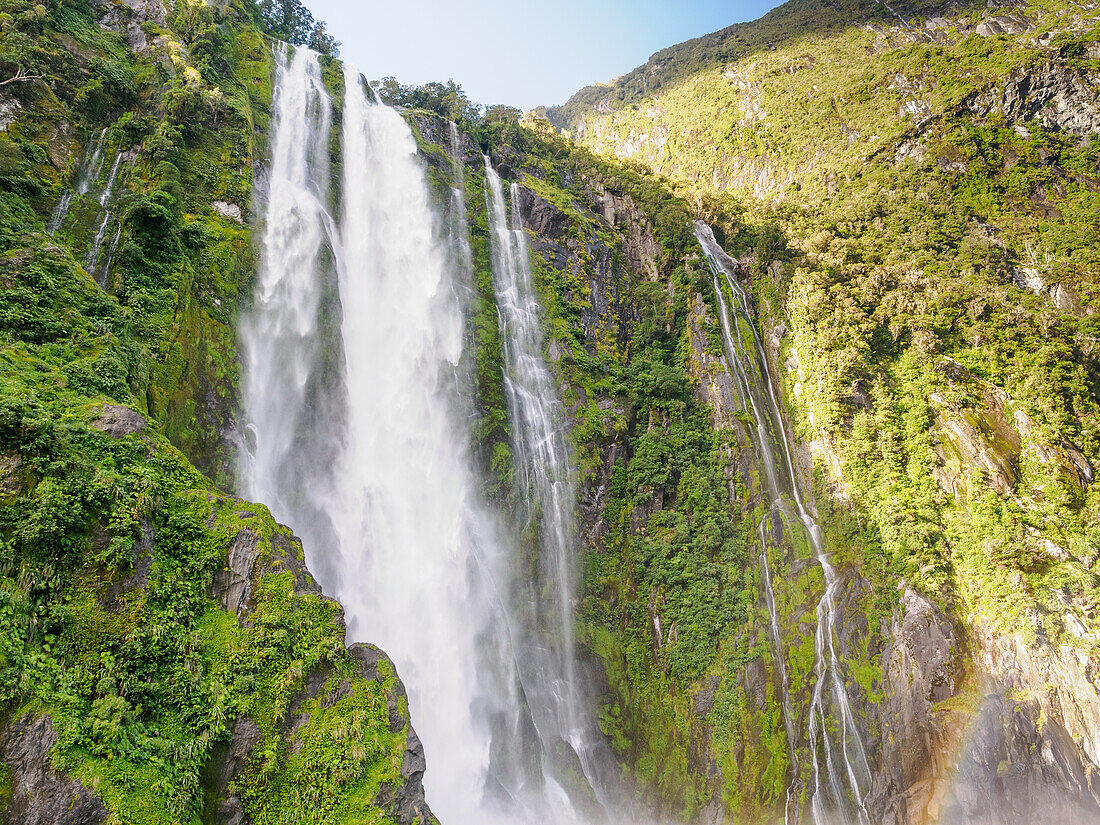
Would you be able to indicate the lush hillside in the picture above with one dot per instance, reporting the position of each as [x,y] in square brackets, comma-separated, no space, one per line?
[912,193]
[911,201]
[936,186]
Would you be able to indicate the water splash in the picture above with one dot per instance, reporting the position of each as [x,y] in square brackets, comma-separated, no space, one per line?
[355,437]
[841,775]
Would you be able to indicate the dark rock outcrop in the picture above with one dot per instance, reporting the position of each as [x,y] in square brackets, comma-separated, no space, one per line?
[129,18]
[118,421]
[41,795]
[234,586]
[405,804]
[540,216]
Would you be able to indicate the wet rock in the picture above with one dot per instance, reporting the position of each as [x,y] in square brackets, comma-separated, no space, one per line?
[11,476]
[41,795]
[1019,767]
[226,764]
[9,111]
[1063,680]
[118,421]
[232,586]
[978,437]
[922,667]
[141,563]
[1010,24]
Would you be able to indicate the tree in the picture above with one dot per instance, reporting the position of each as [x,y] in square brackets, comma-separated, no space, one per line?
[321,41]
[287,20]
[446,99]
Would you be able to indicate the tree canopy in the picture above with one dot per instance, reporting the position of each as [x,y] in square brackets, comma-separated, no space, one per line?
[291,21]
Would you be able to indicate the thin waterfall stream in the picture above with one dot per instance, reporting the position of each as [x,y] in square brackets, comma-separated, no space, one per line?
[546,491]
[841,775]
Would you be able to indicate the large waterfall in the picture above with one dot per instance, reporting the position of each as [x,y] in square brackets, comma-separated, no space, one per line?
[356,438]
[839,771]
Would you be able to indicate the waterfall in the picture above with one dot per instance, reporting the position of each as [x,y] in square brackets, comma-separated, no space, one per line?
[355,436]
[90,173]
[411,531]
[541,454]
[841,775]
[546,494]
[280,338]
[91,259]
[86,173]
[60,211]
[462,264]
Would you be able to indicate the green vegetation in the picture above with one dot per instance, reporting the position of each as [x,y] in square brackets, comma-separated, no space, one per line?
[291,22]
[933,261]
[919,232]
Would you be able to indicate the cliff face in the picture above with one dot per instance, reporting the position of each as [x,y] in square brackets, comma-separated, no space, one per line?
[911,197]
[842,148]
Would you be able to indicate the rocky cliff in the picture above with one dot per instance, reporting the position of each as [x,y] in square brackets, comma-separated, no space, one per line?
[950,470]
[909,198]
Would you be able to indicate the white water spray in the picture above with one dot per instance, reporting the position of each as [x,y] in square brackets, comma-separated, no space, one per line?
[355,437]
[545,490]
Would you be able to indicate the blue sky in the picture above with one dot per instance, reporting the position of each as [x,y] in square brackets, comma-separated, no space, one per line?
[523,53]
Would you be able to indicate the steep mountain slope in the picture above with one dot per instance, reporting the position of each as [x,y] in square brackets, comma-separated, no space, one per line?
[912,192]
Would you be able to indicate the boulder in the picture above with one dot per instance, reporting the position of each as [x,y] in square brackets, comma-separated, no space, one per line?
[118,421]
[41,795]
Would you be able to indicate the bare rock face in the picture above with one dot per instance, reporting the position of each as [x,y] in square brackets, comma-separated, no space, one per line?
[128,17]
[1020,767]
[922,668]
[1010,24]
[1061,680]
[118,421]
[541,217]
[232,586]
[39,794]
[1051,94]
[11,472]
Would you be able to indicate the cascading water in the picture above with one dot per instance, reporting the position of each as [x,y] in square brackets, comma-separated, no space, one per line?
[95,166]
[86,173]
[544,487]
[462,264]
[841,775]
[281,339]
[355,437]
[91,259]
